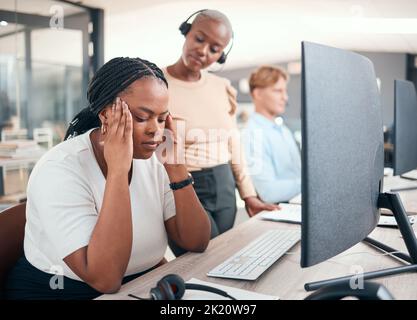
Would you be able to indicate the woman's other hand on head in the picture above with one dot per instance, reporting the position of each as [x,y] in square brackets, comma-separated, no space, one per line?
[171,151]
[170,128]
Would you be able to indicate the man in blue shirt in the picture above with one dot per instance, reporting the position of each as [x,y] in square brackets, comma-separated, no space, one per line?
[272,154]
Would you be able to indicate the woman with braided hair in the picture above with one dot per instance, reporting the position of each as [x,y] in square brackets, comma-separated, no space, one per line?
[100,205]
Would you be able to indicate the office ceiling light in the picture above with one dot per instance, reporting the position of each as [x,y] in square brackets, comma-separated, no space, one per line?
[3,23]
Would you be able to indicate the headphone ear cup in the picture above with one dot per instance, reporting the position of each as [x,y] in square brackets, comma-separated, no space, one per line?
[176,285]
[222,58]
[163,290]
[185,28]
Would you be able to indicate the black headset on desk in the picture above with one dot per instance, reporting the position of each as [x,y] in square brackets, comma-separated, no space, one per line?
[185,27]
[172,287]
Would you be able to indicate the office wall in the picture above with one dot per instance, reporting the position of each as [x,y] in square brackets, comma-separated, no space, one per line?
[388,66]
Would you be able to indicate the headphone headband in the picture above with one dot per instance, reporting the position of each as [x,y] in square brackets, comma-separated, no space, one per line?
[197,12]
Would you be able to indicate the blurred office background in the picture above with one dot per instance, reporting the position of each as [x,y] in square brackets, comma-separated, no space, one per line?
[50,49]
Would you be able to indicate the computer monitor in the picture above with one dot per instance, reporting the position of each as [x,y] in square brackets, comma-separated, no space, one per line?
[343,151]
[405,127]
[342,158]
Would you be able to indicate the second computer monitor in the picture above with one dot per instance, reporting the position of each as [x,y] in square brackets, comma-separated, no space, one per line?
[342,153]
[405,127]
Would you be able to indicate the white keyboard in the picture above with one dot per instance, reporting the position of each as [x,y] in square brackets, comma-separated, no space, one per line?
[255,258]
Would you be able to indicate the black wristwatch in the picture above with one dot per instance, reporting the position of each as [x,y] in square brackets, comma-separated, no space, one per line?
[182,184]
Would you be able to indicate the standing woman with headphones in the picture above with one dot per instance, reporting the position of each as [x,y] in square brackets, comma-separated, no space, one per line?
[203,106]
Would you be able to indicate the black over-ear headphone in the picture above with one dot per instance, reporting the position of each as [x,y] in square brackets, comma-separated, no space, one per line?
[172,287]
[185,27]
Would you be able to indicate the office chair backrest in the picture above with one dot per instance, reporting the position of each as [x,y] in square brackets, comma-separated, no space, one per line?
[12,230]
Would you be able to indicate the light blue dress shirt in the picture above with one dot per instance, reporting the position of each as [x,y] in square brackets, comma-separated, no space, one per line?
[273,159]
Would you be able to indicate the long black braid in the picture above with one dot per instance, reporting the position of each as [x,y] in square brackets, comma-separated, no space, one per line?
[111,79]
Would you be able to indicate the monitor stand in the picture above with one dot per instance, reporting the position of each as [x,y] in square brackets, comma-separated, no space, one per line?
[392,202]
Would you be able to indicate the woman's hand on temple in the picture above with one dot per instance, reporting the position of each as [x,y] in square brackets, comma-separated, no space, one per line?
[118,140]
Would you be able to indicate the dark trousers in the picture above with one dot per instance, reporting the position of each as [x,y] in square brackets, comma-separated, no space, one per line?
[215,188]
[25,282]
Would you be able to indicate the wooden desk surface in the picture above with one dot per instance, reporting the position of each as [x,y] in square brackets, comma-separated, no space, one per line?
[285,278]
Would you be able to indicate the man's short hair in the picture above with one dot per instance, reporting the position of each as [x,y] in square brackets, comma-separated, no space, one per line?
[266,76]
